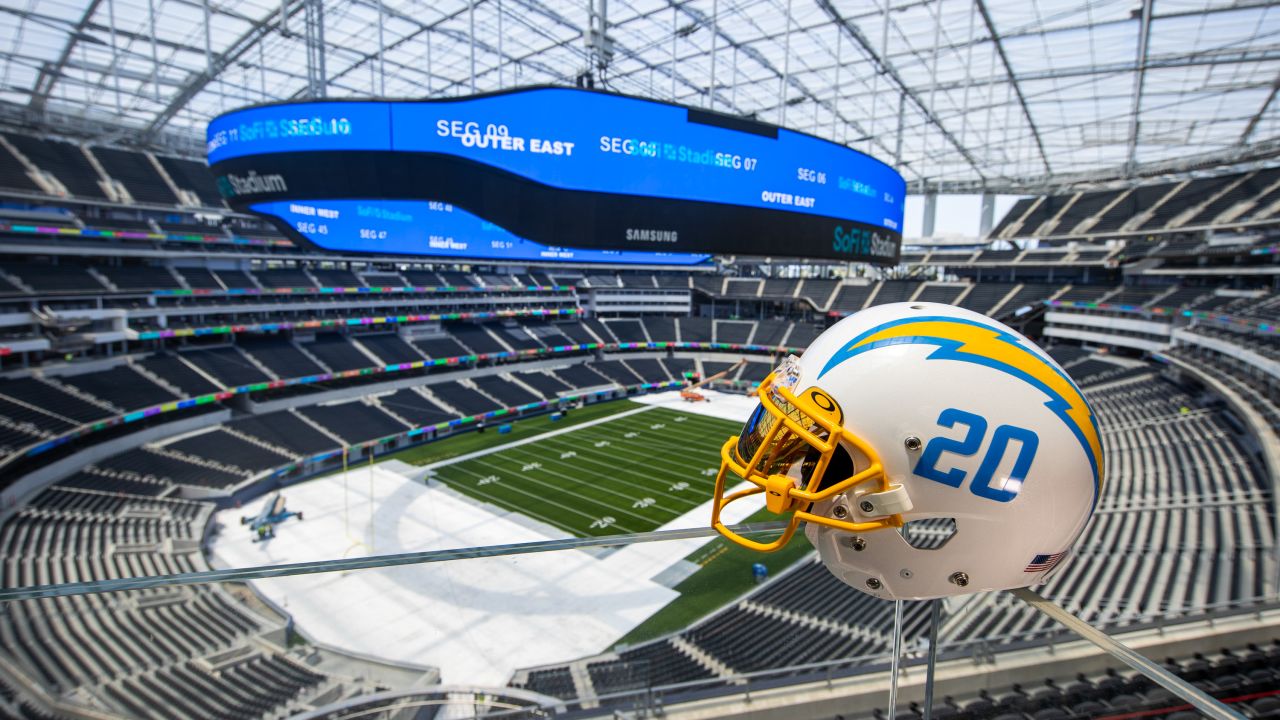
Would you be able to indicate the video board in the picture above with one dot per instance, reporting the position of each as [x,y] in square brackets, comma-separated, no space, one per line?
[430,228]
[568,167]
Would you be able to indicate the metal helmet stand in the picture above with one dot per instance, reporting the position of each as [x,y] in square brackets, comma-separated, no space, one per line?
[1211,707]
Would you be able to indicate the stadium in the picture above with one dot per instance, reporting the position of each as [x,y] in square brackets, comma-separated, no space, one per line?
[377,359]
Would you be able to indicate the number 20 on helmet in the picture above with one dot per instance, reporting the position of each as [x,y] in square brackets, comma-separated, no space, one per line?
[932,451]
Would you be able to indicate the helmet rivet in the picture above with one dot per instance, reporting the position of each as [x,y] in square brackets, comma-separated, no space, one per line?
[904,572]
[873,583]
[858,544]
[840,512]
[866,506]
[959,578]
[913,443]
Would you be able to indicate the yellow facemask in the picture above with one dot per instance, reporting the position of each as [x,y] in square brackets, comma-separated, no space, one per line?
[790,439]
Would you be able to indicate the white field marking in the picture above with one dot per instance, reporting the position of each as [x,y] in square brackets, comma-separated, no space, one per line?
[488,480]
[631,435]
[568,454]
[608,467]
[603,522]
[711,472]
[647,440]
[658,440]
[522,491]
[531,478]
[649,458]
[657,460]
[644,502]
[536,438]
[678,504]
[603,443]
[682,485]
[519,456]
[552,434]
[578,481]
[681,505]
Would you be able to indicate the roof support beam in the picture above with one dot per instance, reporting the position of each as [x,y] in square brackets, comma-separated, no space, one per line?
[1257,117]
[220,61]
[1135,123]
[49,75]
[1220,56]
[1017,89]
[1038,29]
[528,59]
[885,68]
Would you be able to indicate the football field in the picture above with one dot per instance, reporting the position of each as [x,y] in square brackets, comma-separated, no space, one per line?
[631,472]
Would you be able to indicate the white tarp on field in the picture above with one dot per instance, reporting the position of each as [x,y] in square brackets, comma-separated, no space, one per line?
[477,620]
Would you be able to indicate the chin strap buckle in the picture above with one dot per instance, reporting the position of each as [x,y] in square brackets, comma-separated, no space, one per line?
[893,501]
[777,493]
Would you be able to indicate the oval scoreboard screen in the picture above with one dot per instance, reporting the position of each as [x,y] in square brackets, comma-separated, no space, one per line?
[565,168]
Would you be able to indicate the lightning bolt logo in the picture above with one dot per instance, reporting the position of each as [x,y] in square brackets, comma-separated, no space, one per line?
[973,342]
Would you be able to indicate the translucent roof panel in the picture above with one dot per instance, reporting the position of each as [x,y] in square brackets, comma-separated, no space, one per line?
[959,94]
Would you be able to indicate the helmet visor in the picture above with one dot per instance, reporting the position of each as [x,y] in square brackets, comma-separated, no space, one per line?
[781,439]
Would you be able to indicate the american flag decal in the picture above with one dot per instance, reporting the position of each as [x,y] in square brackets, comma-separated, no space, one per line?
[1040,563]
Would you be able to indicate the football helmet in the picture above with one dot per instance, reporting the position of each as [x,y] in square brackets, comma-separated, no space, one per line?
[932,451]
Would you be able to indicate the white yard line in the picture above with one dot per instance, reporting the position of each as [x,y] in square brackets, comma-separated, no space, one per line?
[536,438]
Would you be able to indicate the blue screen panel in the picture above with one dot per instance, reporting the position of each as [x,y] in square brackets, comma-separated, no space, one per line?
[571,167]
[420,227]
[301,127]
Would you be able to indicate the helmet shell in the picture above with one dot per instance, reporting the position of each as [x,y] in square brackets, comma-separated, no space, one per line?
[978,425]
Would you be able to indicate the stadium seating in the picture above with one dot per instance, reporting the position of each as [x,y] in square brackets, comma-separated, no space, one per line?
[63,160]
[507,393]
[390,348]
[193,177]
[581,377]
[466,400]
[285,430]
[174,467]
[414,408]
[137,654]
[281,357]
[175,372]
[228,365]
[1163,440]
[139,277]
[135,171]
[55,278]
[476,339]
[123,387]
[547,384]
[354,422]
[337,353]
[1182,555]
[441,347]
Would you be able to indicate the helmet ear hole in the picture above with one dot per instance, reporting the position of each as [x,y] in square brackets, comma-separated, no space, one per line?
[928,533]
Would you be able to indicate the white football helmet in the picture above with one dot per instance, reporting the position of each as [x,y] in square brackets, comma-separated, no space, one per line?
[921,412]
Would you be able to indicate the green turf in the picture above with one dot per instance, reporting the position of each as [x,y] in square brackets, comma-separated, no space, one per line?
[575,481]
[632,473]
[725,575]
[467,442]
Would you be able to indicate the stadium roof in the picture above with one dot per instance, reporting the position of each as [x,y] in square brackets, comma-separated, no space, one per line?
[959,94]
